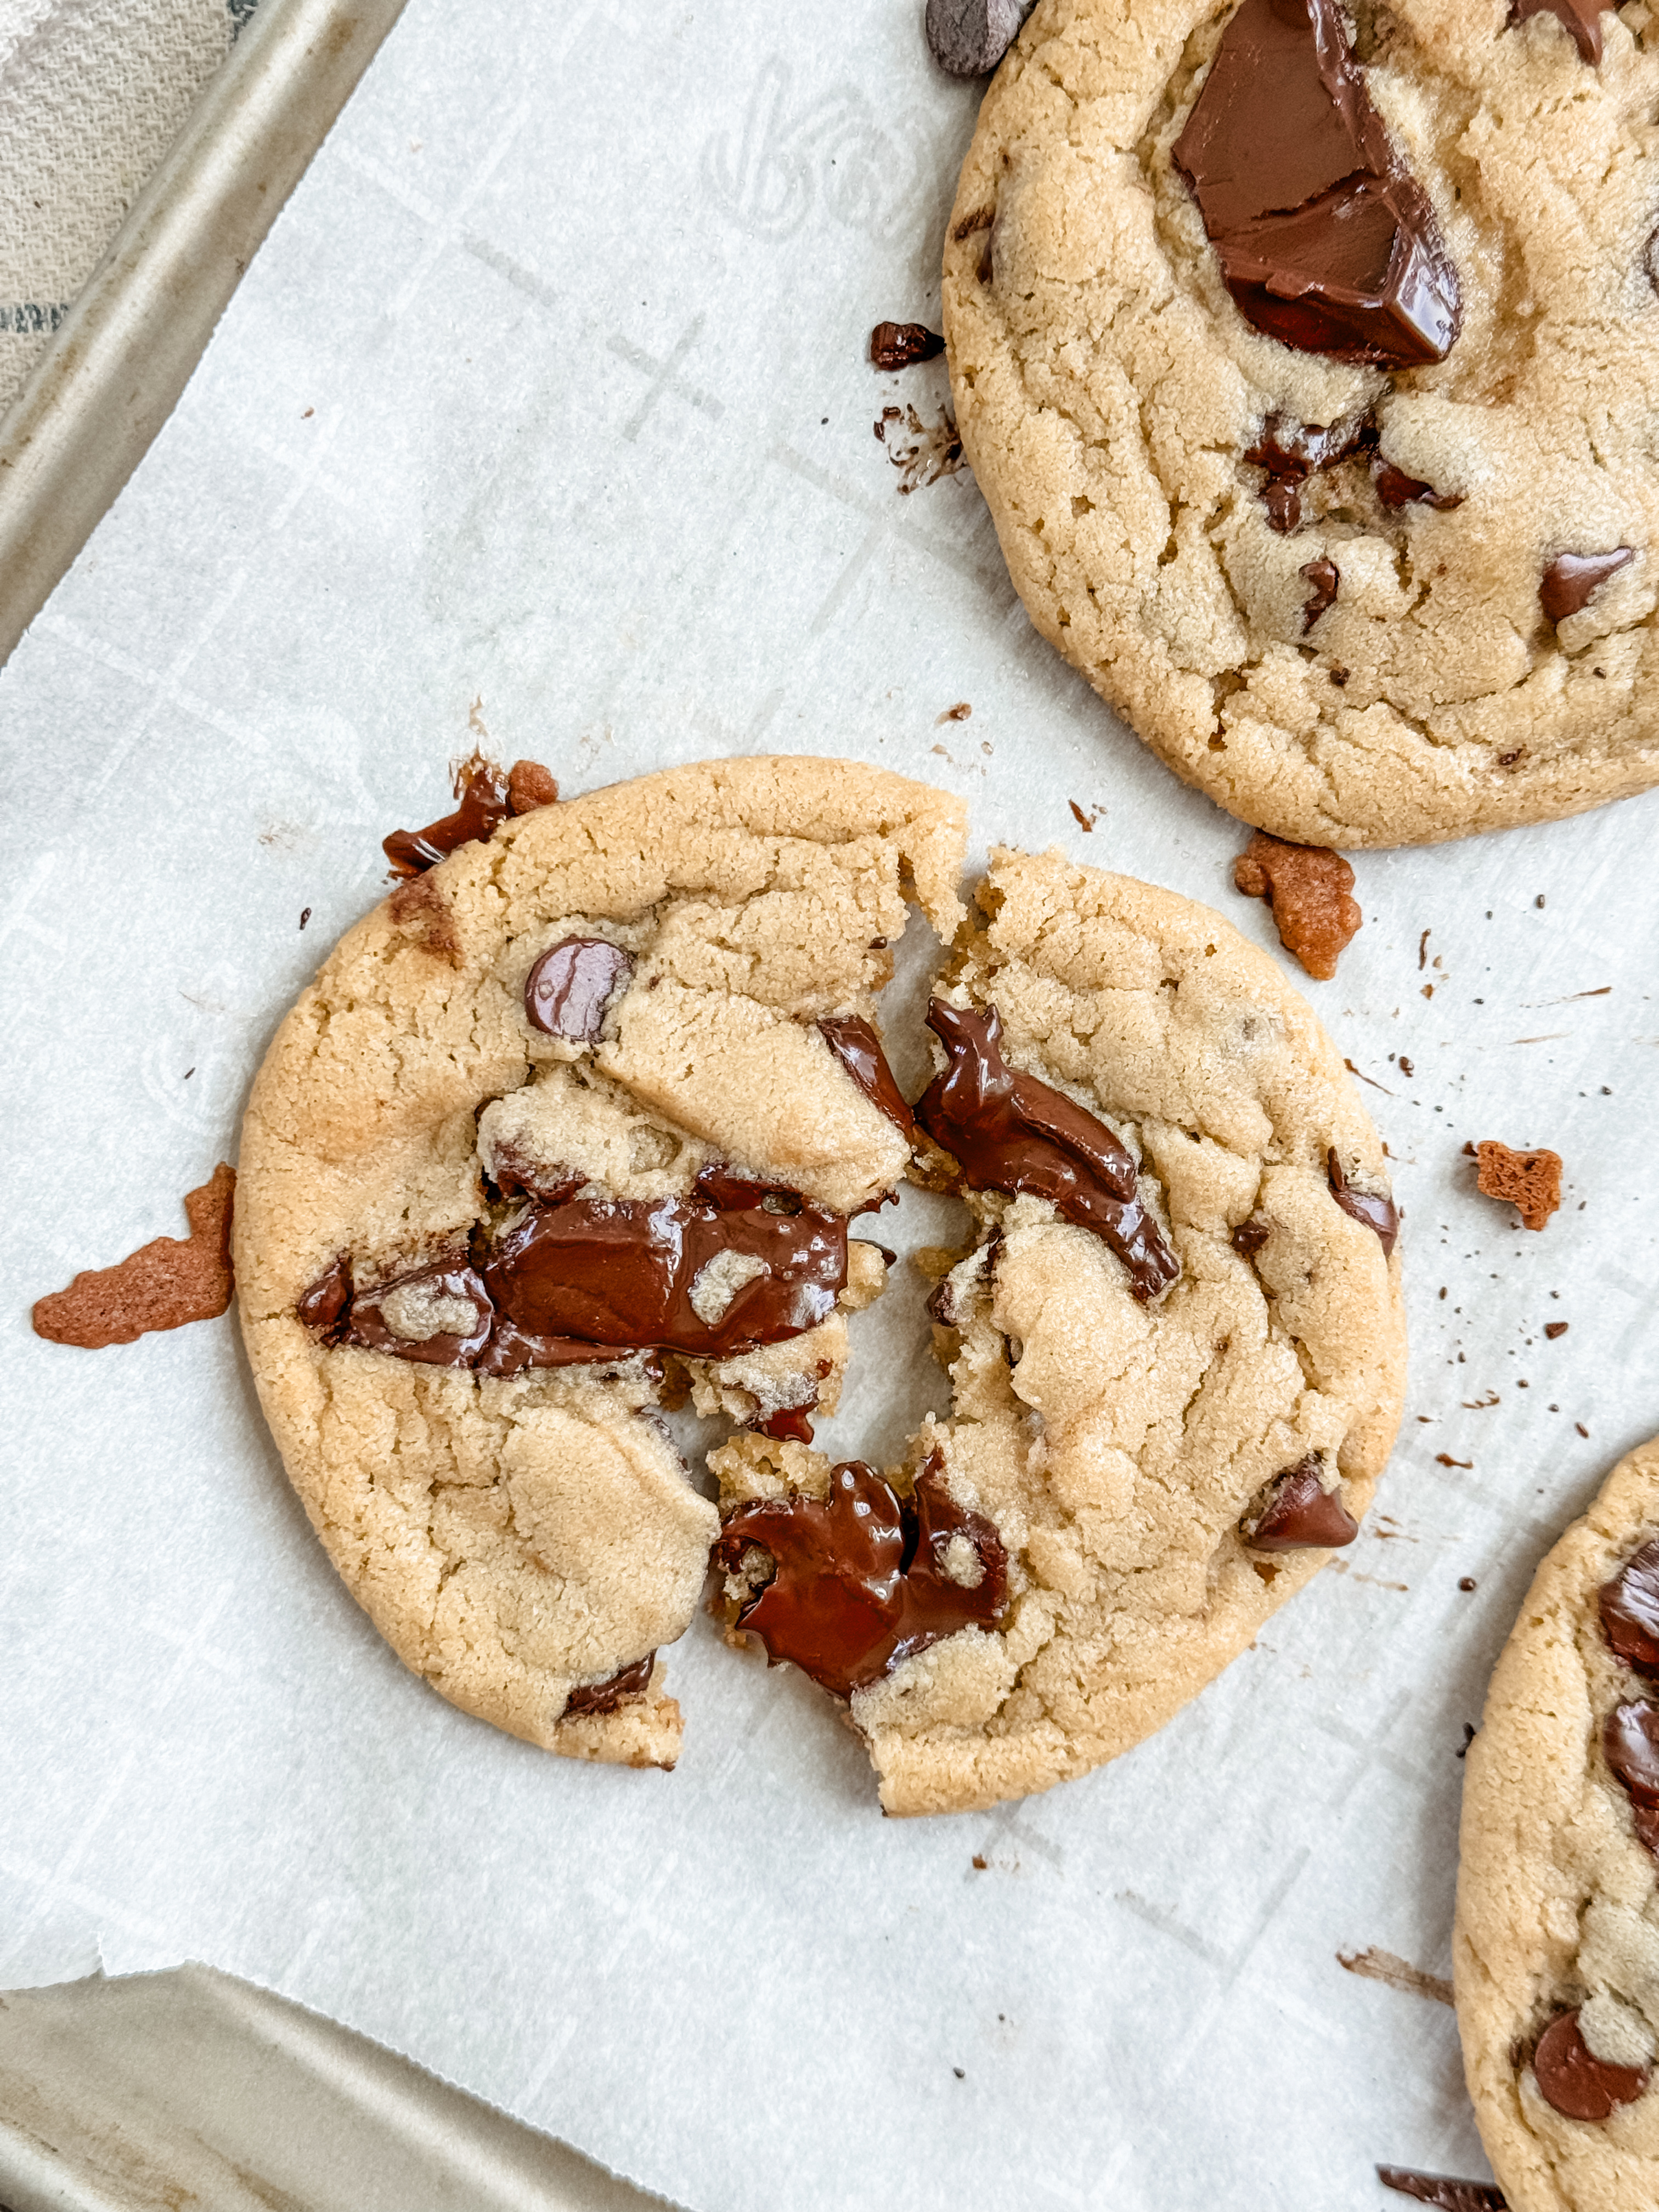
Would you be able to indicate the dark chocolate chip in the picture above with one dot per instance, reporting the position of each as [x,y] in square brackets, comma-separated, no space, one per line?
[1396,489]
[1012,1132]
[481,789]
[1323,576]
[1580,18]
[1249,1236]
[1571,580]
[1630,1608]
[1441,2191]
[863,1581]
[897,345]
[969,38]
[1300,1515]
[1630,1742]
[1326,241]
[568,989]
[1580,2086]
[1375,1210]
[626,1684]
[323,1306]
[856,1047]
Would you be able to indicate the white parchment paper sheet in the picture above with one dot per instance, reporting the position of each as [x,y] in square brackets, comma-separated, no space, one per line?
[549,390]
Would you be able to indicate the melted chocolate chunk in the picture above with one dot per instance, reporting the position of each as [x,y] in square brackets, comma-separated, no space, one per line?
[394,1315]
[1375,1211]
[1646,1819]
[858,1049]
[324,1305]
[1326,241]
[1575,2082]
[1011,1132]
[1440,2190]
[1292,452]
[897,345]
[1396,489]
[861,1580]
[1630,1742]
[481,789]
[1570,580]
[790,1424]
[1301,1515]
[1629,1609]
[1323,577]
[627,1682]
[165,1284]
[569,987]
[1580,18]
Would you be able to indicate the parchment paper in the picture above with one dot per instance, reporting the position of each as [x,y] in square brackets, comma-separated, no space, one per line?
[549,392]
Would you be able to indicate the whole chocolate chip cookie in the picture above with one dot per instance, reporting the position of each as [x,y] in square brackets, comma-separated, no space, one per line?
[1307,360]
[1557,1945]
[579,1129]
[1174,1338]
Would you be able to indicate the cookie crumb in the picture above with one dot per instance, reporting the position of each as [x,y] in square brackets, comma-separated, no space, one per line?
[959,713]
[163,1284]
[1555,1328]
[1530,1182]
[529,785]
[1310,891]
[979,1863]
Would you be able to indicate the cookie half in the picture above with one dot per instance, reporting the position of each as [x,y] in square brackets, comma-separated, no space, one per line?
[1307,363]
[576,1120]
[1175,1340]
[1557,1943]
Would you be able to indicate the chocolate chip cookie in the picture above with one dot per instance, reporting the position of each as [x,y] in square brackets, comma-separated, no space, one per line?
[1557,1946]
[1306,359]
[1174,1338]
[576,1119]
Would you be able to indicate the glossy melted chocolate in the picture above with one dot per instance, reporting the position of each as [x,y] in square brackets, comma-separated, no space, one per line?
[1580,18]
[1301,1515]
[1009,1131]
[1629,1606]
[1574,2081]
[590,1697]
[1375,1211]
[1630,1740]
[858,1049]
[1572,580]
[569,987]
[1327,242]
[482,788]
[861,1579]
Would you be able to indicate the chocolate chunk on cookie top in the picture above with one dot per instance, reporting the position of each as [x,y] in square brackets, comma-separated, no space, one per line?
[1302,354]
[1557,1941]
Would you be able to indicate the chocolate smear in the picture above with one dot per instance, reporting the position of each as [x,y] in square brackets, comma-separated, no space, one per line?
[1326,241]
[163,1284]
[856,1047]
[530,786]
[897,346]
[324,1305]
[569,987]
[1377,1212]
[1012,1132]
[1440,2190]
[626,1684]
[1646,1819]
[863,1580]
[1300,1515]
[482,788]
[1570,580]
[969,38]
[1629,1605]
[440,1314]
[1323,576]
[1580,2086]
[1580,18]
[1396,489]
[1630,1742]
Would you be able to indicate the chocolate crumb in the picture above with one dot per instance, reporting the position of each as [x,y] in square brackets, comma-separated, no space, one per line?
[1445,1459]
[161,1285]
[1468,1738]
[1555,1328]
[897,345]
[481,789]
[1310,891]
[1581,1429]
[1406,1068]
[1467,1582]
[959,713]
[1441,2191]
[1530,1182]
[1082,819]
[980,1864]
[305,916]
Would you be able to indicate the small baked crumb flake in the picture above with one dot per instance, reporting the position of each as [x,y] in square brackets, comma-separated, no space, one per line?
[1309,892]
[1529,1182]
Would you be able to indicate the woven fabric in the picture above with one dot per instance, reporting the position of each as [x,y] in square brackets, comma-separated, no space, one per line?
[92,95]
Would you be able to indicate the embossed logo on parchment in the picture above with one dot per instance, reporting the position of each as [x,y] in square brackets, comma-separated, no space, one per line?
[768,176]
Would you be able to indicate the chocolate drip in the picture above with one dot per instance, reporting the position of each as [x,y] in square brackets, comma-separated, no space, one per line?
[1572,580]
[1629,1609]
[1323,576]
[481,789]
[1377,1212]
[1012,1132]
[1301,1515]
[569,987]
[1580,18]
[858,1049]
[1441,2191]
[626,1684]
[1630,1742]
[1396,489]
[1574,2081]
[861,1580]
[1327,242]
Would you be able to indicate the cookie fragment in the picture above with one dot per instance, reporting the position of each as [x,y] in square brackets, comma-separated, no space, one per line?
[163,1284]
[1529,1182]
[1310,891]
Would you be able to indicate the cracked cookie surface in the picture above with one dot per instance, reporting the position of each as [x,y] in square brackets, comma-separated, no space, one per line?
[1115,1441]
[527,1539]
[1557,1943]
[1438,620]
